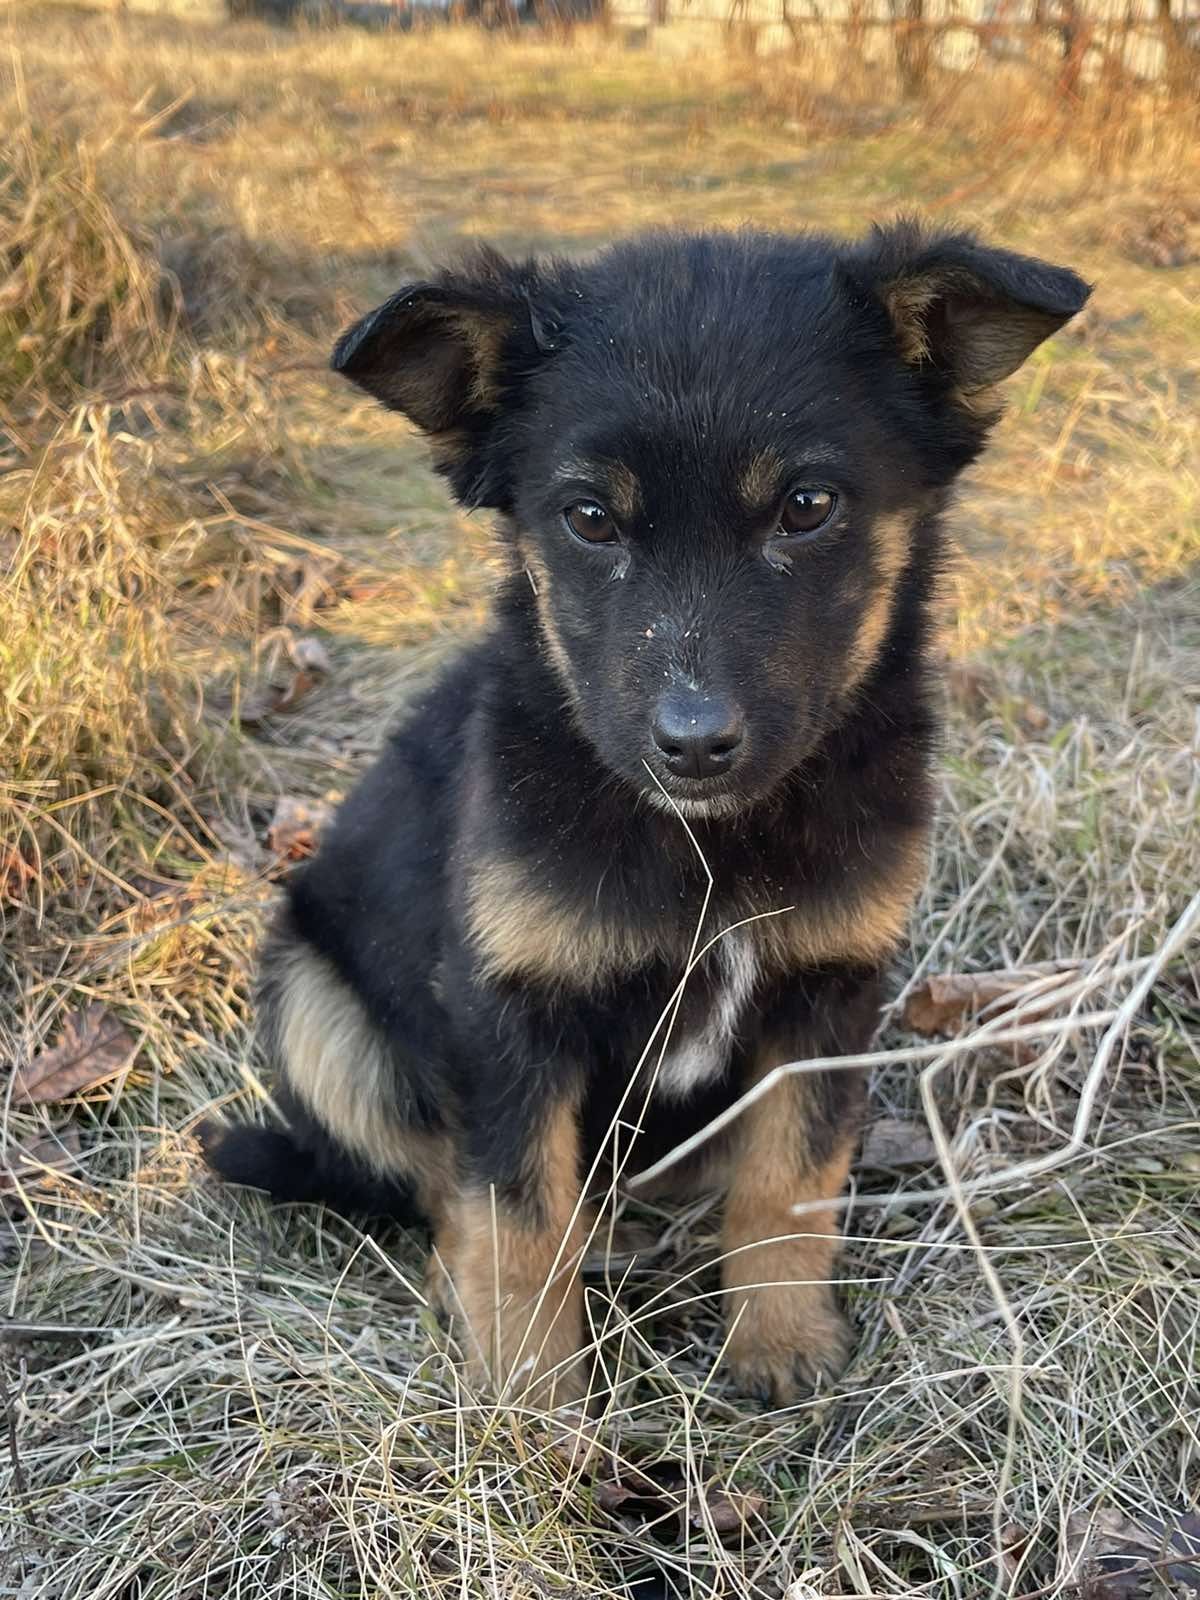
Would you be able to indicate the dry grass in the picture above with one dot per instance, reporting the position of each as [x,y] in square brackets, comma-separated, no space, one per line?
[206,1397]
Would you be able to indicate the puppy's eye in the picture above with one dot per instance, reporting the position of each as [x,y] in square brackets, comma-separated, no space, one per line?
[806,510]
[590,522]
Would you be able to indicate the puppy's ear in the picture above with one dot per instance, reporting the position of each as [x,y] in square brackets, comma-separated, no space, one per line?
[957,306]
[449,354]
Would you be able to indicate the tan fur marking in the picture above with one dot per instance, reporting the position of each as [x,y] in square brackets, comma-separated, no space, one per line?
[777,1267]
[759,481]
[334,1063]
[551,637]
[448,448]
[485,339]
[624,490]
[907,301]
[867,926]
[517,1283]
[614,481]
[986,404]
[440,1292]
[520,929]
[891,545]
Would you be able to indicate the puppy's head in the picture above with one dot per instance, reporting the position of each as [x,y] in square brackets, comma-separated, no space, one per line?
[719,458]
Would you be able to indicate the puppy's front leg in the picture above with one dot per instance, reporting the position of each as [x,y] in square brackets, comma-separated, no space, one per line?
[793,1148]
[777,1266]
[515,1251]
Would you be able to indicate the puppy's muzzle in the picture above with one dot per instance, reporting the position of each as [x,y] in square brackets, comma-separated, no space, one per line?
[697,735]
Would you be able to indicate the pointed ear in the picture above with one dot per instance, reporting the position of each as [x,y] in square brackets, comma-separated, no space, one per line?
[971,312]
[446,354]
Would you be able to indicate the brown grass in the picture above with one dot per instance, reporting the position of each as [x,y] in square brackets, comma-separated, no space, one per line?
[208,1397]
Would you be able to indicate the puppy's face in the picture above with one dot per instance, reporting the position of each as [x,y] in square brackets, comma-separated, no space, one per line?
[719,460]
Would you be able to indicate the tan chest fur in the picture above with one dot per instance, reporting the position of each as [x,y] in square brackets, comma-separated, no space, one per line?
[520,929]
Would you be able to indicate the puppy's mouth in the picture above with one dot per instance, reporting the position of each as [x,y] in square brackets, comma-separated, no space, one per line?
[700,798]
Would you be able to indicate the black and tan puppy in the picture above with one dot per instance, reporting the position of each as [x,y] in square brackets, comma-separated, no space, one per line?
[720,464]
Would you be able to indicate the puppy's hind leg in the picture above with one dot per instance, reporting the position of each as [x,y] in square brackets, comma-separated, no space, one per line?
[352,1137]
[305,1167]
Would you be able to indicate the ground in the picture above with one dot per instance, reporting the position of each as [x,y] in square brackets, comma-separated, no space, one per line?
[208,1397]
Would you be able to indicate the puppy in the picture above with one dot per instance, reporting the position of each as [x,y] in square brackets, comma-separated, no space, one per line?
[657,831]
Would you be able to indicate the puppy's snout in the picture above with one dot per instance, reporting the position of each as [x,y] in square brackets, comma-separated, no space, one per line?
[698,734]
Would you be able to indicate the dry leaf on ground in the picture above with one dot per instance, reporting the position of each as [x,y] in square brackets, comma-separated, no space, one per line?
[23,1165]
[310,587]
[92,1048]
[939,1004]
[1032,717]
[729,1511]
[16,874]
[892,1142]
[310,664]
[661,1496]
[1117,1558]
[617,1250]
[296,826]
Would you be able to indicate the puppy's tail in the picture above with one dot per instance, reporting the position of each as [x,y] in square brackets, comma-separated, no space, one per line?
[273,1159]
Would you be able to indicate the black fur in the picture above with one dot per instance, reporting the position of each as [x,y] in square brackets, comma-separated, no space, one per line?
[701,379]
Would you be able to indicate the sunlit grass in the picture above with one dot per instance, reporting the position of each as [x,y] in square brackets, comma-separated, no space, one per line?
[223,1399]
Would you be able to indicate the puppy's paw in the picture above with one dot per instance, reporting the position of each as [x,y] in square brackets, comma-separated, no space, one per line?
[787,1339]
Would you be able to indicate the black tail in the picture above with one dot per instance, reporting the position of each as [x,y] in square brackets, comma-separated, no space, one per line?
[273,1159]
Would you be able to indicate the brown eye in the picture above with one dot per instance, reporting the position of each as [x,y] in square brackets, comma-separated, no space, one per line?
[806,510]
[590,522]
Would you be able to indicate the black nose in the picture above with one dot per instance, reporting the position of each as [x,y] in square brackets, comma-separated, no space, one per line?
[697,733]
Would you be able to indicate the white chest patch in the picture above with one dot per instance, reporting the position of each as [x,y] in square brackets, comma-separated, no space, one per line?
[704,1054]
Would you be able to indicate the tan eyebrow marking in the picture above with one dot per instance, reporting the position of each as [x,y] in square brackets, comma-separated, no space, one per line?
[619,483]
[761,480]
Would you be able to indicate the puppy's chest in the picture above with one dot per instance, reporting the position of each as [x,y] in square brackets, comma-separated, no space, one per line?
[716,1008]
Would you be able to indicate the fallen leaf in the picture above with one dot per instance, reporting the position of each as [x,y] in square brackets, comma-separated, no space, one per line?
[614,1252]
[290,696]
[646,1491]
[157,904]
[311,588]
[92,1048]
[310,664]
[1014,1546]
[1032,717]
[22,1166]
[661,1497]
[296,827]
[941,1002]
[16,874]
[1118,1557]
[730,1512]
[892,1142]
